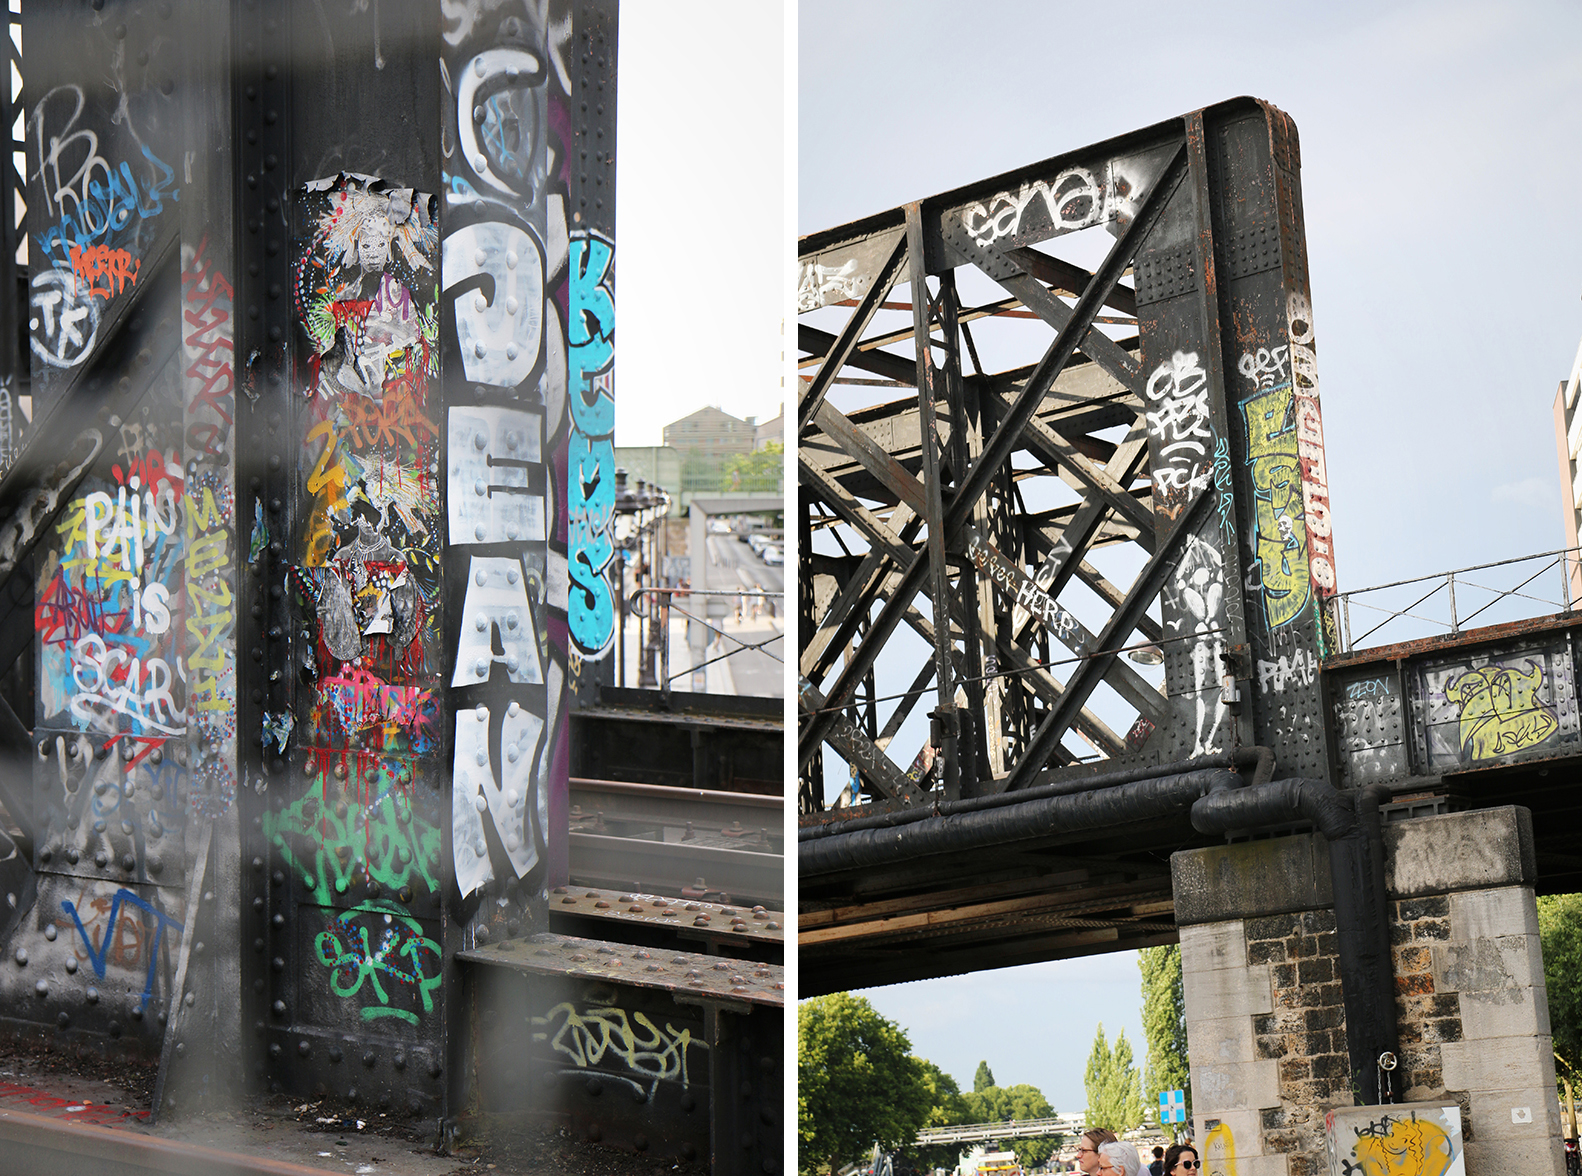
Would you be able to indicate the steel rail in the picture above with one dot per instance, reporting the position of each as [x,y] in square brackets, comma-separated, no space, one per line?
[42,1146]
[666,805]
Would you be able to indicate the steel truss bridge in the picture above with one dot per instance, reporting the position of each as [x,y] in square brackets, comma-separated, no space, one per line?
[1062,490]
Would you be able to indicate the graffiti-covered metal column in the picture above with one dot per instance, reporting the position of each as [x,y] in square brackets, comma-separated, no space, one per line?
[587,301]
[1231,389]
[346,653]
[100,527]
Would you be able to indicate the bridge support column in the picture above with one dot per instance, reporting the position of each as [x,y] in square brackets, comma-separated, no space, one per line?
[1266,1022]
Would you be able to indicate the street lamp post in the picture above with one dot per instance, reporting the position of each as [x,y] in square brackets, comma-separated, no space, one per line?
[626,505]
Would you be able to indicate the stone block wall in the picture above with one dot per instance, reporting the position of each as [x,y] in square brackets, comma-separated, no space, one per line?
[1266,1022]
[1306,1032]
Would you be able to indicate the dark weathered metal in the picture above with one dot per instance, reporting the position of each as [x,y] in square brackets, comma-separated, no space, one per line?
[1194,439]
[841,348]
[637,1040]
[684,918]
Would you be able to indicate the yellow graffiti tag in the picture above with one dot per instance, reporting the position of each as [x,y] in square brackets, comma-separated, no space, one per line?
[1404,1147]
[641,1046]
[1219,1151]
[1498,712]
[1280,540]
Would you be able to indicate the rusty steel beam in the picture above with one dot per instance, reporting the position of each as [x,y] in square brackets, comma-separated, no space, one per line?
[1180,441]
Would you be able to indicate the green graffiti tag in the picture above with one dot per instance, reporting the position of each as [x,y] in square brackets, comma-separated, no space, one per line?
[398,957]
[384,839]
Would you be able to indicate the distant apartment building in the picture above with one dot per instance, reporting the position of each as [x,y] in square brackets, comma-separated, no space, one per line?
[771,432]
[1568,440]
[654,464]
[707,441]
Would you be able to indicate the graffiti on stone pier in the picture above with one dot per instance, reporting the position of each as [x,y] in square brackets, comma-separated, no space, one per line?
[1418,1142]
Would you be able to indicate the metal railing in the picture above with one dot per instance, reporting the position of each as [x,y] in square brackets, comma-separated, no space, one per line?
[1434,605]
[661,602]
[1016,1129]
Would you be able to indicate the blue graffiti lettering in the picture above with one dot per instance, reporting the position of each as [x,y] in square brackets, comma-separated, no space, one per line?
[97,956]
[590,613]
[590,334]
[590,337]
[109,207]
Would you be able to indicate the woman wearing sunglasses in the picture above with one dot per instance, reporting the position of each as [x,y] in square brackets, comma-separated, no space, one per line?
[1181,1160]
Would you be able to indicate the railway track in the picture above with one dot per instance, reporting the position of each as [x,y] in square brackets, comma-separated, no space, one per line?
[677,840]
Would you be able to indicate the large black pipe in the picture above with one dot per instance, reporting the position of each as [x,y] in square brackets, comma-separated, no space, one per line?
[1020,817]
[1351,826]
[1259,759]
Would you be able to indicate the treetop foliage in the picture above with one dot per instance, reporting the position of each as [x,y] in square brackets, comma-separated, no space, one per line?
[1115,1099]
[858,1083]
[1560,931]
[983,1079]
[1164,1026]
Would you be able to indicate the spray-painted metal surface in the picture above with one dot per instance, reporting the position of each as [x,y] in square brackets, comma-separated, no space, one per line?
[1214,397]
[1485,716]
[312,520]
[1044,411]
[662,1050]
[291,707]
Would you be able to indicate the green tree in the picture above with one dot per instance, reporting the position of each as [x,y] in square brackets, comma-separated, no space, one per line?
[950,1108]
[983,1079]
[1115,1097]
[763,469]
[1022,1102]
[1164,1025]
[1560,931]
[857,1083]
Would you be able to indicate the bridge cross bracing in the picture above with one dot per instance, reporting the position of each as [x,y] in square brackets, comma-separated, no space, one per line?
[1057,426]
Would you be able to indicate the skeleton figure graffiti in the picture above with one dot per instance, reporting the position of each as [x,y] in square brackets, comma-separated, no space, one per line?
[1197,597]
[1499,710]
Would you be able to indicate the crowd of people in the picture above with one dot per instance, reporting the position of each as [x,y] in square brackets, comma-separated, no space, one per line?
[1100,1154]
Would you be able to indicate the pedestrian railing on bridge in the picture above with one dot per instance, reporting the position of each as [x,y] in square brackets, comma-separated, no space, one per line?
[702,616]
[1449,602]
[1015,1129]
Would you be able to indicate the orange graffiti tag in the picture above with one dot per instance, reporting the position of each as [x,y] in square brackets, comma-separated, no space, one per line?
[115,266]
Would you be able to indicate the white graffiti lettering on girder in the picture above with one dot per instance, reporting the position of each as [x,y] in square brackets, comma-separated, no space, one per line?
[1179,425]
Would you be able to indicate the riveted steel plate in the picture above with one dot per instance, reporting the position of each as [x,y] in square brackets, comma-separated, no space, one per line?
[686,917]
[1494,703]
[112,808]
[681,972]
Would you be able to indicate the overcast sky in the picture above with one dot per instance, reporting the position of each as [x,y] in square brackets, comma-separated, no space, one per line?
[702,229]
[1440,176]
